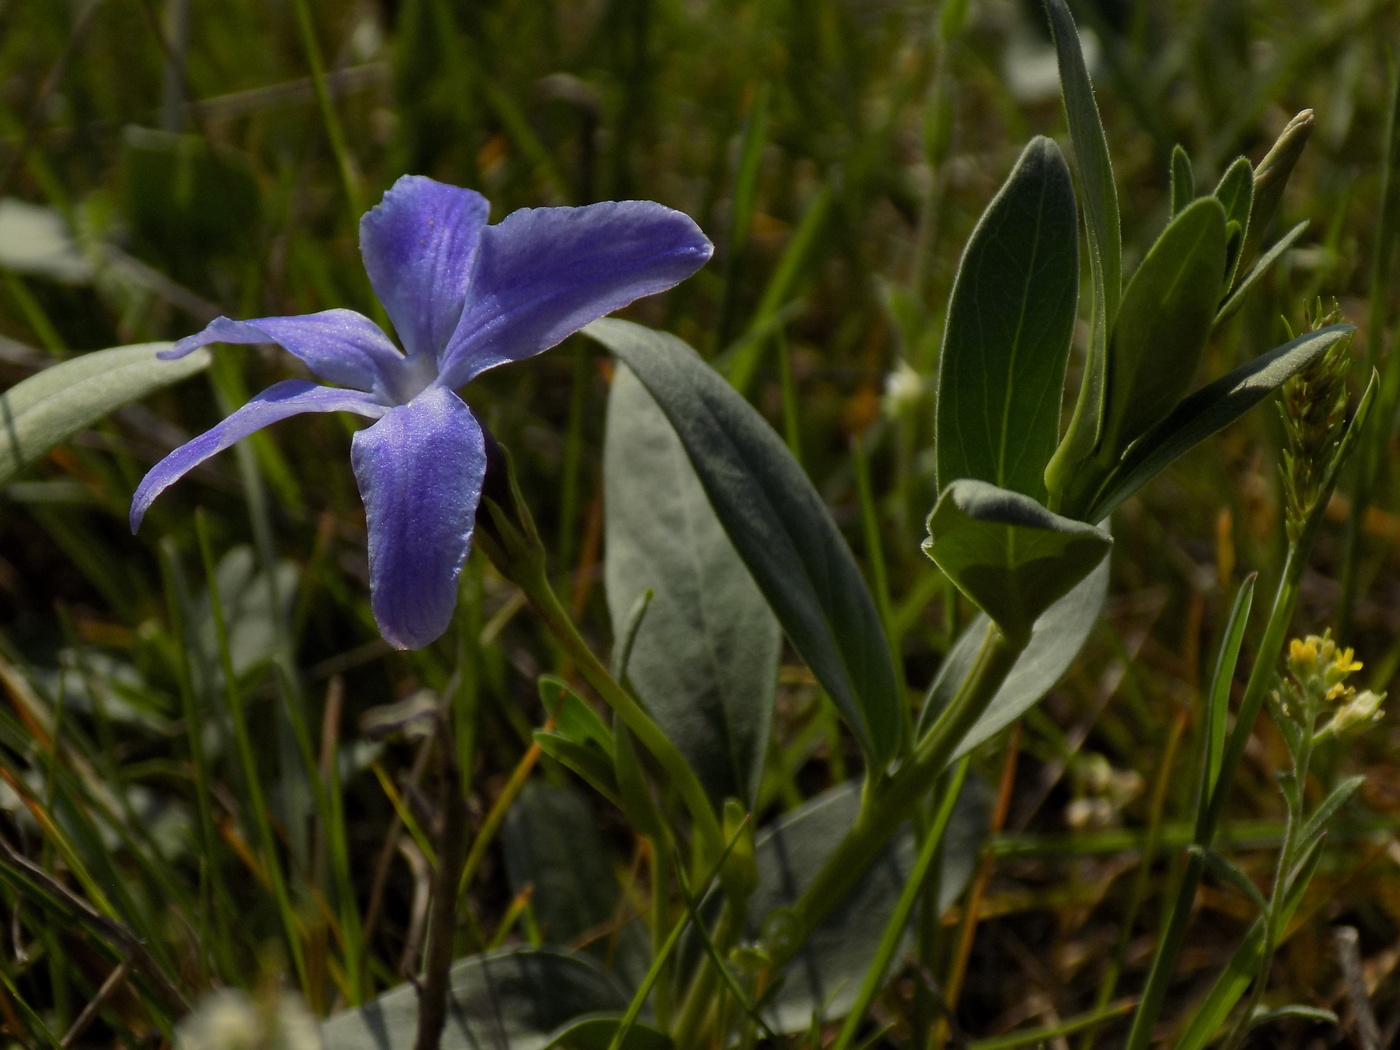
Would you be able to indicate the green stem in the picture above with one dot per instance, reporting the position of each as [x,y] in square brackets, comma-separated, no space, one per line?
[672,762]
[1208,818]
[889,803]
[1276,914]
[507,535]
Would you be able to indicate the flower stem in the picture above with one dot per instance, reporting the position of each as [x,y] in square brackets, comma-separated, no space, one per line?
[442,924]
[625,707]
[506,533]
[1174,932]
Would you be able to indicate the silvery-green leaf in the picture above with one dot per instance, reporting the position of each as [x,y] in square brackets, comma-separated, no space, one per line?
[778,524]
[824,977]
[704,658]
[512,1000]
[1168,307]
[1009,555]
[50,407]
[1056,639]
[36,240]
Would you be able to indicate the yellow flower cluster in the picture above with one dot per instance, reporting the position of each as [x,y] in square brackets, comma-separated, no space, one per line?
[1318,669]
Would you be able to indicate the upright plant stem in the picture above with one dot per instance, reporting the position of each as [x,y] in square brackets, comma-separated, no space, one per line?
[442,922]
[1173,934]
[677,770]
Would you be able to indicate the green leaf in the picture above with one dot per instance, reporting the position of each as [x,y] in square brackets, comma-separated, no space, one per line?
[1161,331]
[634,797]
[573,717]
[1226,992]
[1056,639]
[551,843]
[515,999]
[1270,179]
[1001,373]
[778,524]
[588,762]
[1099,198]
[1183,181]
[579,739]
[1218,698]
[1336,799]
[1009,555]
[1099,195]
[596,1033]
[1235,193]
[704,659]
[1209,409]
[1229,872]
[824,978]
[48,408]
[1311,1014]
[1265,263]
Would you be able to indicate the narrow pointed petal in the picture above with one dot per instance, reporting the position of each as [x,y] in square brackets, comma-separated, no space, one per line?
[542,274]
[279,401]
[418,244]
[420,470]
[340,346]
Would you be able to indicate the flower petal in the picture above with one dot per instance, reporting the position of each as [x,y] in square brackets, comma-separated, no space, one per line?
[542,274]
[418,244]
[420,470]
[288,398]
[341,346]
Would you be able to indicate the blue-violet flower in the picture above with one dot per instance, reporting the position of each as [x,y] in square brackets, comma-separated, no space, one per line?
[463,297]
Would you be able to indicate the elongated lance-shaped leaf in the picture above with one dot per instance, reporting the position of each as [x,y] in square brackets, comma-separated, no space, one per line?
[1235,193]
[47,409]
[1056,639]
[1183,180]
[1266,261]
[1218,697]
[779,526]
[1317,823]
[1100,195]
[1161,330]
[1099,198]
[1270,178]
[1009,555]
[1001,373]
[704,658]
[1209,409]
[1155,347]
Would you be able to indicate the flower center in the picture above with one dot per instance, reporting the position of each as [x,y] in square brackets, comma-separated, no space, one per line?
[414,374]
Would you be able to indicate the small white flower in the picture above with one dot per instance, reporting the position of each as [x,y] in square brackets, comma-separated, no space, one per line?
[904,389]
[233,1020]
